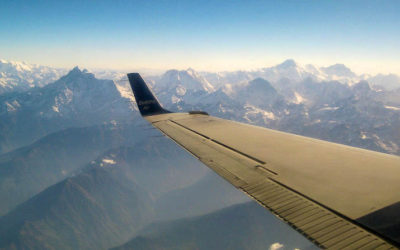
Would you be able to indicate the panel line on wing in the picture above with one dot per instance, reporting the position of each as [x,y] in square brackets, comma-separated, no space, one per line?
[263,168]
[222,144]
[240,152]
[194,131]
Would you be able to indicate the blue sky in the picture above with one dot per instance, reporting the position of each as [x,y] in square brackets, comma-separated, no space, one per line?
[205,35]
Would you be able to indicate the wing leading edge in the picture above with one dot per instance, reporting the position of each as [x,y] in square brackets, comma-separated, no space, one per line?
[337,196]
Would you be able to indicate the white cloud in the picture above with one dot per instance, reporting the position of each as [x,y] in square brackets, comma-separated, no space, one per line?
[392,108]
[108,161]
[276,246]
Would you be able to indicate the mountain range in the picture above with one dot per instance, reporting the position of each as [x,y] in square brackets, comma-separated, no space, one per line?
[75,100]
[20,76]
[354,113]
[16,76]
[95,209]
[80,169]
[26,171]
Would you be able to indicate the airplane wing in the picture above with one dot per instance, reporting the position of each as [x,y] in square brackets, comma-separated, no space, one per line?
[337,196]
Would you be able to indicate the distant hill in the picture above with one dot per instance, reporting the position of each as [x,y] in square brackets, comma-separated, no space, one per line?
[104,203]
[208,194]
[93,210]
[157,165]
[244,226]
[29,170]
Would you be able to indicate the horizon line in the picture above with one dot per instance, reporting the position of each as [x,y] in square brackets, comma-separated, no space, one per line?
[163,70]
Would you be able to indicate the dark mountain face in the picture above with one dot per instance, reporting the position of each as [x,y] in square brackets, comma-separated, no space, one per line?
[208,194]
[157,165]
[260,93]
[75,100]
[362,88]
[390,98]
[105,203]
[96,209]
[324,93]
[27,171]
[245,226]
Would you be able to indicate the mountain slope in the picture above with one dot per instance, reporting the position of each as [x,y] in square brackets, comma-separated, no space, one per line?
[244,226]
[157,165]
[208,194]
[27,171]
[389,82]
[76,99]
[185,79]
[105,203]
[95,209]
[260,93]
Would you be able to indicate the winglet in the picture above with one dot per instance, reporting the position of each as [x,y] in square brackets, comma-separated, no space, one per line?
[146,101]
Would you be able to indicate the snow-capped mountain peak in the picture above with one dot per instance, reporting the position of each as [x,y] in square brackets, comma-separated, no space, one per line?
[76,72]
[289,63]
[15,66]
[184,79]
[20,76]
[339,70]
